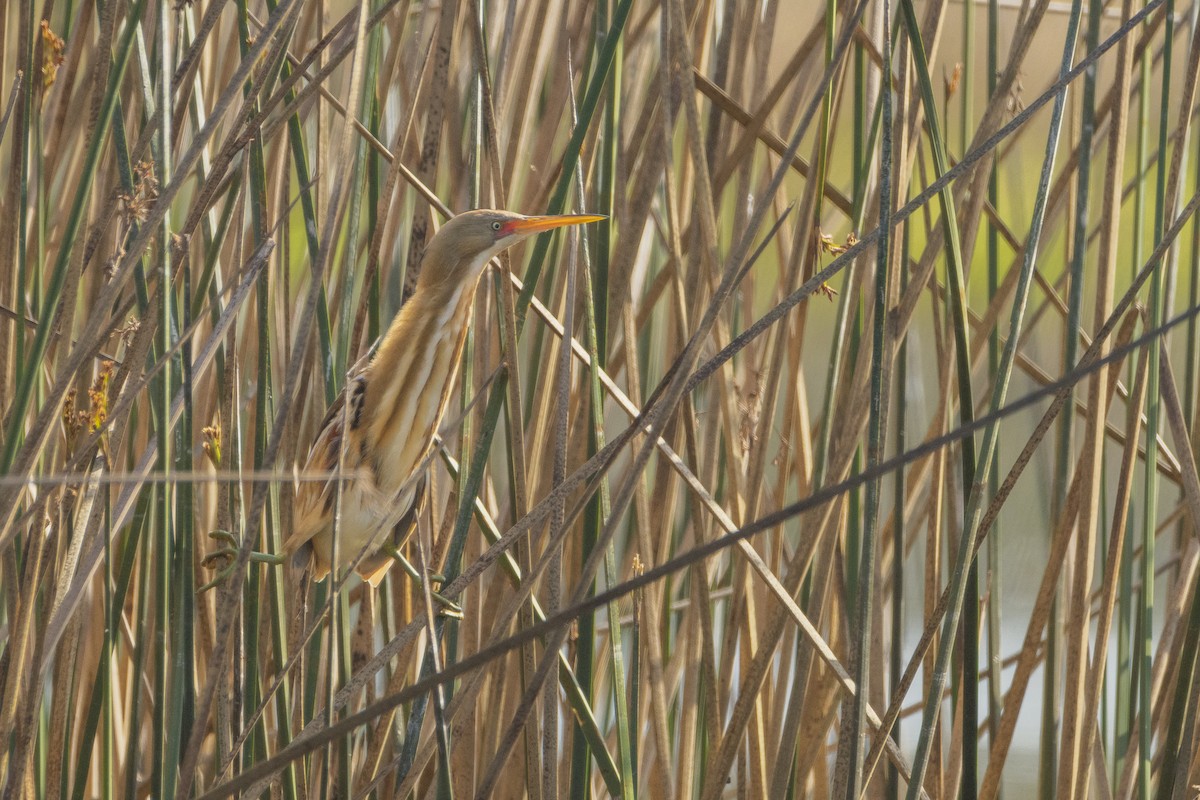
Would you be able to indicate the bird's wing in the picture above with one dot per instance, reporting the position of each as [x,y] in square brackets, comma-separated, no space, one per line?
[371,569]
[314,499]
[408,523]
[378,568]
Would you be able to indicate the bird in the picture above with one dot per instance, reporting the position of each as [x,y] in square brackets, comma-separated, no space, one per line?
[381,428]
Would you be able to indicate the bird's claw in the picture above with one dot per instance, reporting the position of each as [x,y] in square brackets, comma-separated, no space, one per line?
[230,549]
[227,554]
[449,609]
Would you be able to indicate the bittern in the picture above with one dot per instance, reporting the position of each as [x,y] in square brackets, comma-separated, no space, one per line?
[393,409]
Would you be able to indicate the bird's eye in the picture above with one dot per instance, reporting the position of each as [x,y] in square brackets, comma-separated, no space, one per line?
[496,225]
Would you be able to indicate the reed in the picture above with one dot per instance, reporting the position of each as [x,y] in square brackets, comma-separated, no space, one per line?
[853,456]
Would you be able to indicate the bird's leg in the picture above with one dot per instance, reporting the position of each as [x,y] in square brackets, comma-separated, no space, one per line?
[450,609]
[407,565]
[229,553]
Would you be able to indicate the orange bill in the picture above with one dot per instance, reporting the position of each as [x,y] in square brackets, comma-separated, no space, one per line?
[530,225]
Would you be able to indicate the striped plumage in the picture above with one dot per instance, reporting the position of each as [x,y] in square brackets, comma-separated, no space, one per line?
[396,405]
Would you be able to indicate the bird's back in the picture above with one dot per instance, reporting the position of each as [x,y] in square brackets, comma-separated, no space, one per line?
[395,407]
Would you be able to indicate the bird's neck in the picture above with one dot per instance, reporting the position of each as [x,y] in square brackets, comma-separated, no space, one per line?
[411,377]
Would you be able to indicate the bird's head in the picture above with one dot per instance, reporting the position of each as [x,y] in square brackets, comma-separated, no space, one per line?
[463,246]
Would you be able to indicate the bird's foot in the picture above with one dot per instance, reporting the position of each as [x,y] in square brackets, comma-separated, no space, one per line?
[227,555]
[449,607]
